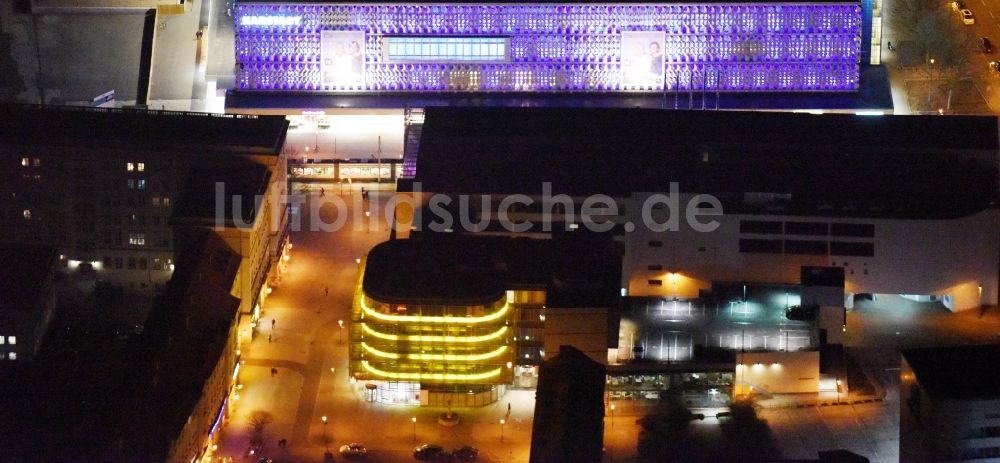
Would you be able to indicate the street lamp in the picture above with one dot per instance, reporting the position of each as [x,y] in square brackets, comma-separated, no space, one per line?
[612,415]
[502,422]
[341,323]
[414,420]
[326,441]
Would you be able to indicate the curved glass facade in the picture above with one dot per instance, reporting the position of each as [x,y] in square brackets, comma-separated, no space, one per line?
[613,47]
[430,343]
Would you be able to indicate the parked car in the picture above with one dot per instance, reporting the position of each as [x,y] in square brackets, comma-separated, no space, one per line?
[353,450]
[967,17]
[428,452]
[985,45]
[465,453]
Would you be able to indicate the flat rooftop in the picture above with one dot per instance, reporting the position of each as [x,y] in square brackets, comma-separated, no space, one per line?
[143,130]
[476,269]
[243,185]
[960,372]
[937,166]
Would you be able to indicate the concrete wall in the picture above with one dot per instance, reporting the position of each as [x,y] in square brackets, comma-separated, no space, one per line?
[778,372]
[953,257]
[585,329]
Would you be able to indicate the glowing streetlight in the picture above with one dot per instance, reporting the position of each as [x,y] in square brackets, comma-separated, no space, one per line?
[341,323]
[414,420]
[502,422]
[612,407]
[325,440]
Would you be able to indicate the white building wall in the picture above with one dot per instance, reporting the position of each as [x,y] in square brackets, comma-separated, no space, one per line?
[941,257]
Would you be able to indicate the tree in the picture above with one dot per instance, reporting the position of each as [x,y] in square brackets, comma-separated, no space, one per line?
[747,437]
[664,434]
[257,421]
[11,83]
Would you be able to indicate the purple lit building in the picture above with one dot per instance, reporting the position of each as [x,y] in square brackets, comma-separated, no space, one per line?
[366,48]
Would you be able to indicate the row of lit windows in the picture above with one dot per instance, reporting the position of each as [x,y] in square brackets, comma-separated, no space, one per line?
[10,355]
[33,162]
[136,184]
[11,340]
[138,263]
[446,49]
[137,239]
[135,166]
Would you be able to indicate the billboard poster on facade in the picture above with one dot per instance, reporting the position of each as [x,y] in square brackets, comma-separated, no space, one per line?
[343,56]
[642,59]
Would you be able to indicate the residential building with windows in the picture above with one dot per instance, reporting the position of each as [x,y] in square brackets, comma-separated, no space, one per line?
[27,299]
[101,185]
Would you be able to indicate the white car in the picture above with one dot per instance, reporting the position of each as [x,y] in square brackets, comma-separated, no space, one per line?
[967,17]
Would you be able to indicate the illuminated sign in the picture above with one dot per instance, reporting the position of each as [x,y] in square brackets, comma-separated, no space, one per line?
[271,20]
[343,59]
[642,60]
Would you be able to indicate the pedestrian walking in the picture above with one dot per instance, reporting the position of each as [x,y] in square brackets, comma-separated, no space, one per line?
[322,192]
[326,290]
[274,371]
[282,442]
[272,323]
[268,338]
[890,45]
[508,408]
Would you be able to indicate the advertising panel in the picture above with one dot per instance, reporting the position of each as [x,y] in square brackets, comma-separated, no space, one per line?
[642,59]
[343,56]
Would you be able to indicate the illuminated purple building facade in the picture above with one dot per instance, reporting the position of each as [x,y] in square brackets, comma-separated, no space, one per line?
[538,47]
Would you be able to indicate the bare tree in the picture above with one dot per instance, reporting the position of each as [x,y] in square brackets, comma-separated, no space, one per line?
[258,420]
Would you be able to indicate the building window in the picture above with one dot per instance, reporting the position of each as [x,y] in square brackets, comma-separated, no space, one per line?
[654,267]
[131,184]
[118,263]
[12,356]
[129,166]
[157,264]
[142,184]
[166,202]
[760,226]
[25,162]
[12,340]
[36,162]
[131,263]
[655,282]
[807,228]
[753,246]
[137,239]
[108,262]
[26,214]
[142,263]
[156,201]
[141,167]
[815,248]
[455,49]
[656,244]
[1,340]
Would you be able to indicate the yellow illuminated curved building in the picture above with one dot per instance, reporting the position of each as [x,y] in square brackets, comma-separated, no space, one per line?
[431,335]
